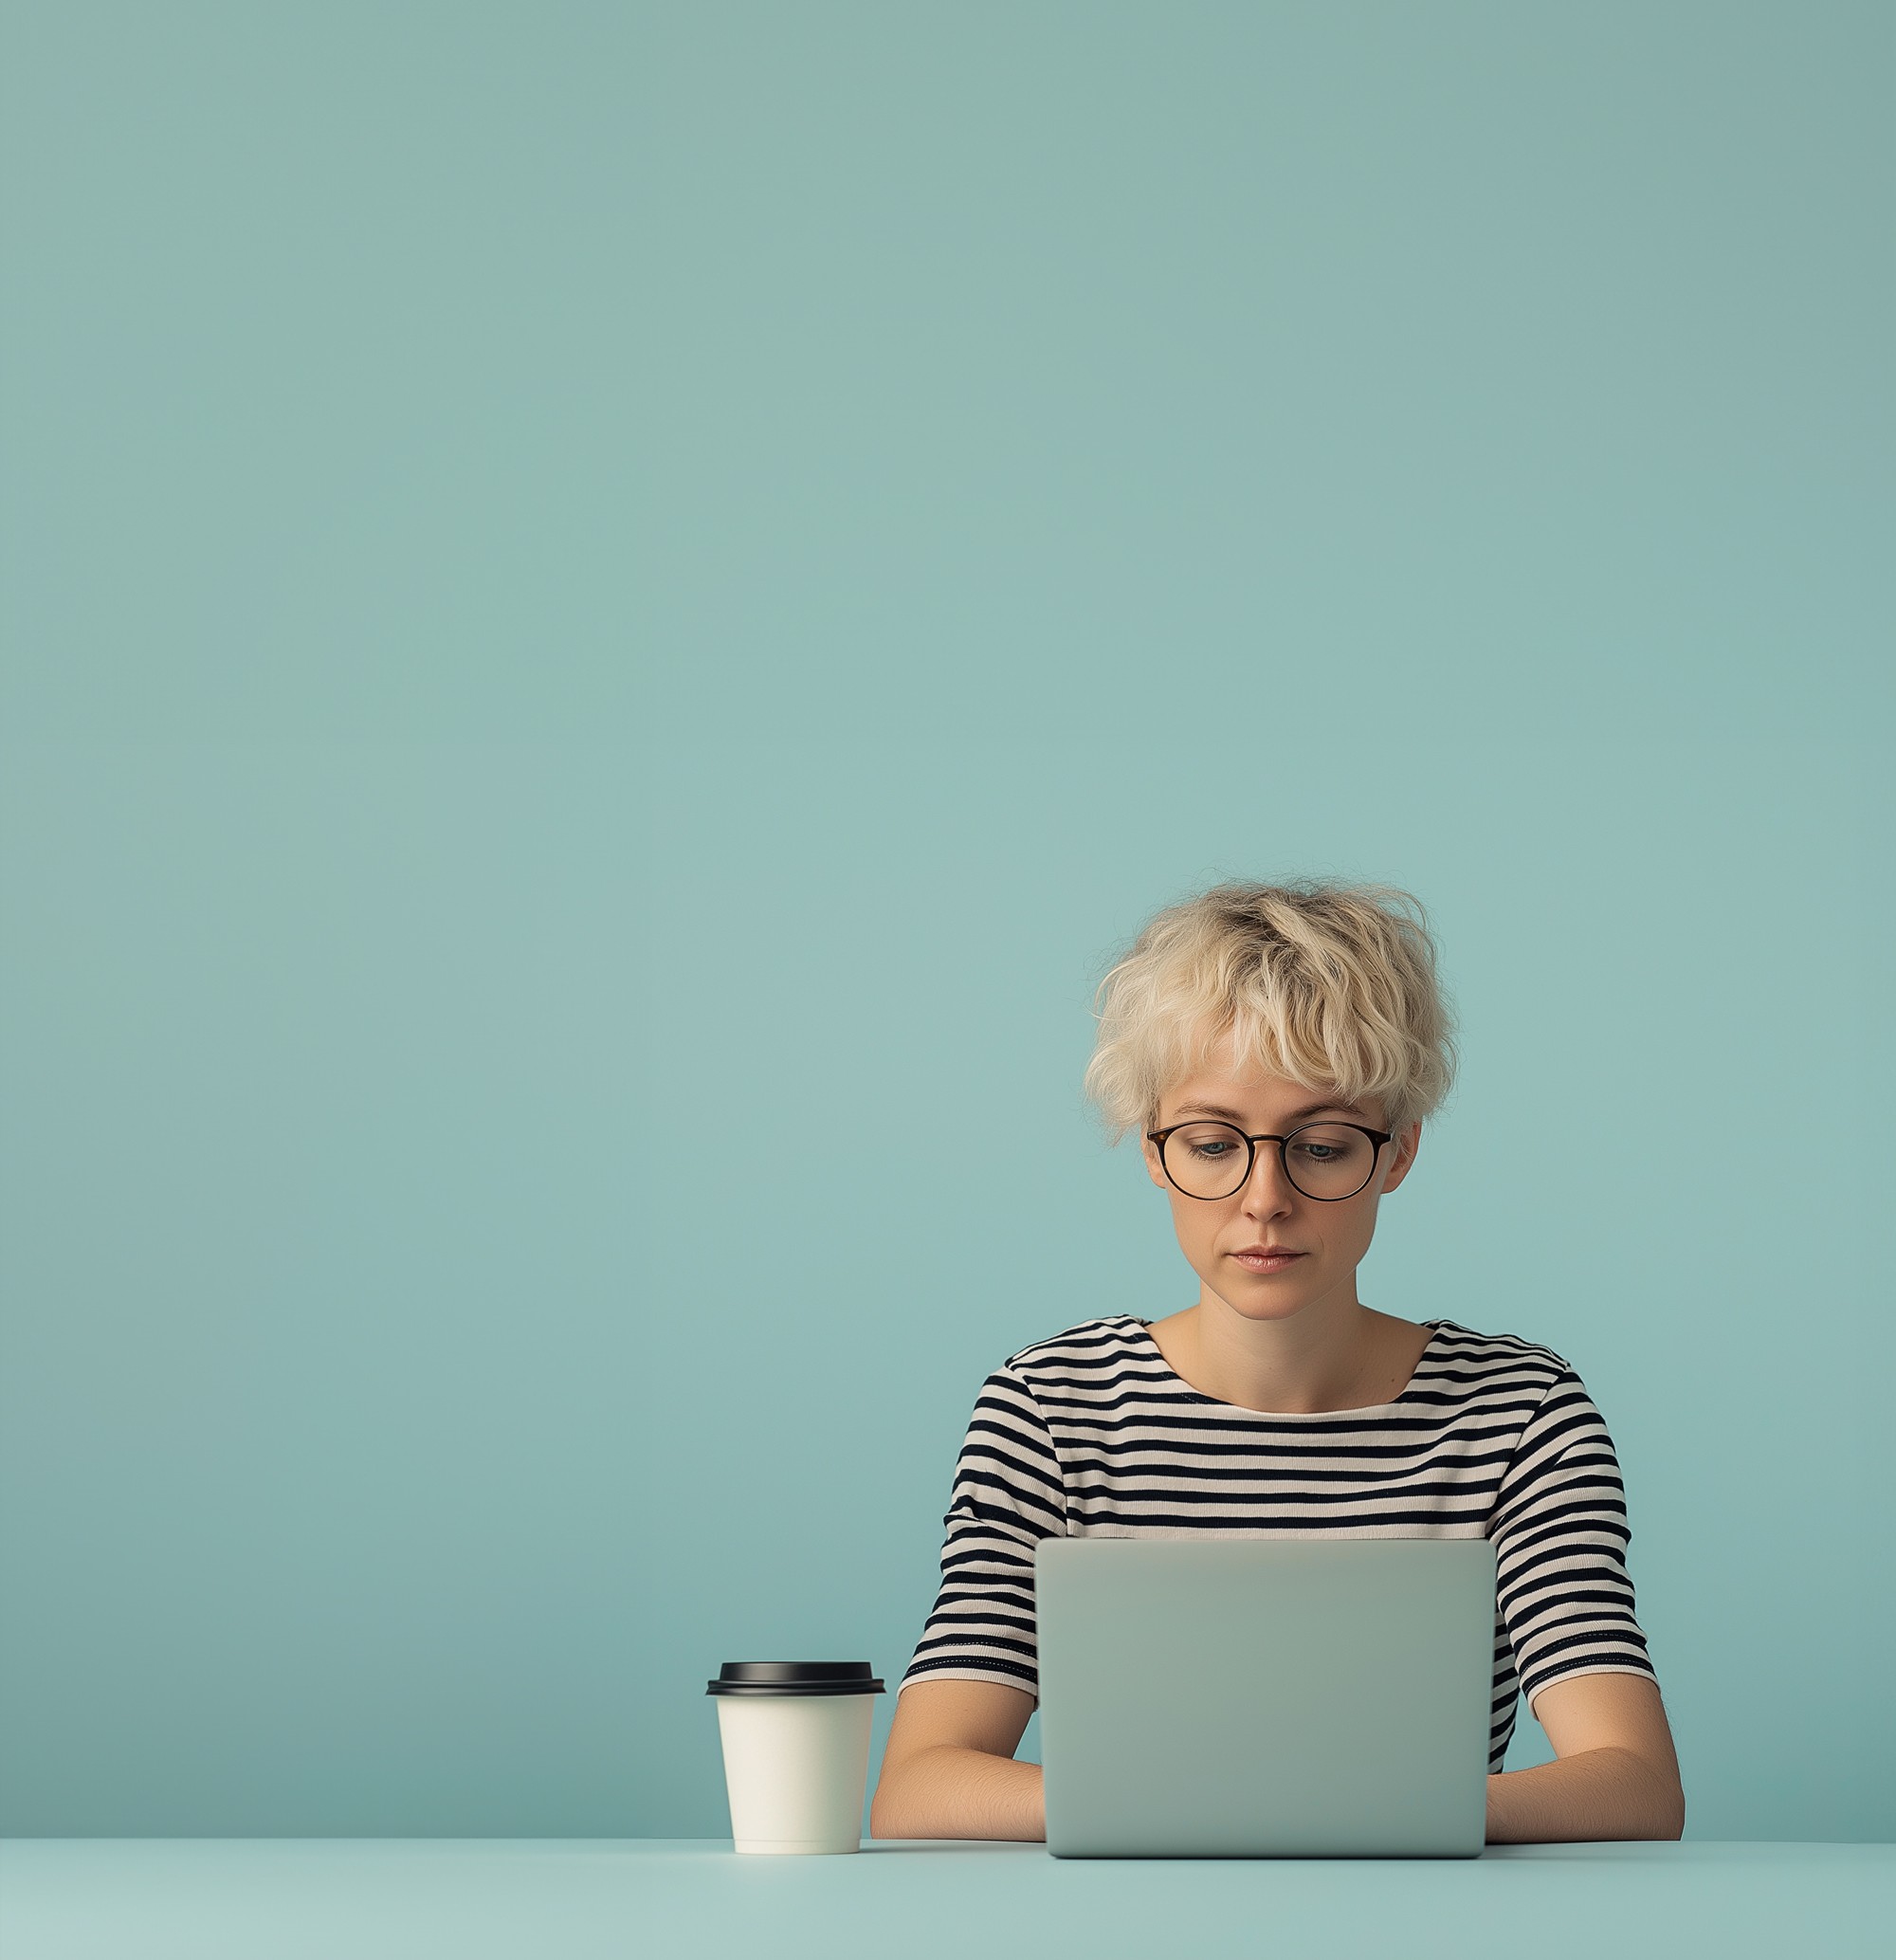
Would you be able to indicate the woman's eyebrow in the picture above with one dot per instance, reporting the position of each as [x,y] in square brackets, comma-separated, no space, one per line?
[1232,1116]
[1318,1108]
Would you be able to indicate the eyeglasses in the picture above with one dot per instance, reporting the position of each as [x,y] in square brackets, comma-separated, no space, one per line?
[1326,1161]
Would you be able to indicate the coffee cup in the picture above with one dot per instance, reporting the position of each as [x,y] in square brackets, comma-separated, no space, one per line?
[795,1735]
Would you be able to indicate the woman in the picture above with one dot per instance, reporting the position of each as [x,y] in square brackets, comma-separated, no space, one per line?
[1279,1047]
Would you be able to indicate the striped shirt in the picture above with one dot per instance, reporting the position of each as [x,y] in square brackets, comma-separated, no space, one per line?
[1092,1435]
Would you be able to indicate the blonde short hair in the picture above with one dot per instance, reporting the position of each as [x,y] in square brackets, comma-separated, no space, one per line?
[1331,986]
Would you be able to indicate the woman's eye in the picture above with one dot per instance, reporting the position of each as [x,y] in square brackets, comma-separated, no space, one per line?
[1214,1151]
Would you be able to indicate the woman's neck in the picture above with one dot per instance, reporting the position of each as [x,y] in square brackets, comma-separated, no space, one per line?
[1328,1356]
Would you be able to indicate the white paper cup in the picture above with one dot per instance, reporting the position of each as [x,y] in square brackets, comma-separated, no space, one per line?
[797,1757]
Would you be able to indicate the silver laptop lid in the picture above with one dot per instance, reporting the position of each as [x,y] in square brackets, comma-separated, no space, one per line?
[1265,1697]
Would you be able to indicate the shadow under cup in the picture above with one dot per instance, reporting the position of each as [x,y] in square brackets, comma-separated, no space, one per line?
[795,1735]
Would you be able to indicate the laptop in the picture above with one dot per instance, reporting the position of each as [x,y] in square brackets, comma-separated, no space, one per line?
[1265,1697]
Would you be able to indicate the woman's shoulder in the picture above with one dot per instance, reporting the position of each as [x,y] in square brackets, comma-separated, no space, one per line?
[1088,1346]
[1467,1351]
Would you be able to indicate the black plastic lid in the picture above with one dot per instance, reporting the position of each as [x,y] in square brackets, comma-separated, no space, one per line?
[795,1678]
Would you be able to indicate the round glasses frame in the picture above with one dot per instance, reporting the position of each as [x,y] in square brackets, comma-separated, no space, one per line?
[1378,1138]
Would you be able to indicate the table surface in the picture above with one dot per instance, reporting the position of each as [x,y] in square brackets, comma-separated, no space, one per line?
[478,1900]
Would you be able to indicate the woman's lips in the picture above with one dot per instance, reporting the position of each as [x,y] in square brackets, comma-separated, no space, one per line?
[1266,1261]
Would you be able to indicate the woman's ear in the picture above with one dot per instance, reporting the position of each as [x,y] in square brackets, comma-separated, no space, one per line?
[1154,1168]
[1404,1146]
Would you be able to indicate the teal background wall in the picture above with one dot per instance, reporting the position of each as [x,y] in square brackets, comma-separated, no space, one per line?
[573,568]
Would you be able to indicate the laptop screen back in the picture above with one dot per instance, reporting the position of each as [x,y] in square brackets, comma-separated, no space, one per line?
[1265,1697]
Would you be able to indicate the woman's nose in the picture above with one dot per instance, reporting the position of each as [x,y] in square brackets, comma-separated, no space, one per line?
[1269,1188]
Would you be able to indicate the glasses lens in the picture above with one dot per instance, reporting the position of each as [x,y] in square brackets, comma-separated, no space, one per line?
[1329,1160]
[1207,1160]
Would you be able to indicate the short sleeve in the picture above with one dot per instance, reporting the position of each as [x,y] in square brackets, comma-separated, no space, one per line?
[1561,1533]
[1007,1496]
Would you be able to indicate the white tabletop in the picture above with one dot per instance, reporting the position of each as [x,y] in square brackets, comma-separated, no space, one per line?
[652,1900]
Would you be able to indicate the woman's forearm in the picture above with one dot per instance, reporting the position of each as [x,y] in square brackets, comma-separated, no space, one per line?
[948,1792]
[1597,1794]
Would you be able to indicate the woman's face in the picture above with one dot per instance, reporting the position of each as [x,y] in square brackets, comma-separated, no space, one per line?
[1315,1246]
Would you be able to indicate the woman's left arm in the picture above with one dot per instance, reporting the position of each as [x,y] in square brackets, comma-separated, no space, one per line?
[1615,1772]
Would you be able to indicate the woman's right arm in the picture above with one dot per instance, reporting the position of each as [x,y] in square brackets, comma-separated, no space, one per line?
[949,1772]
